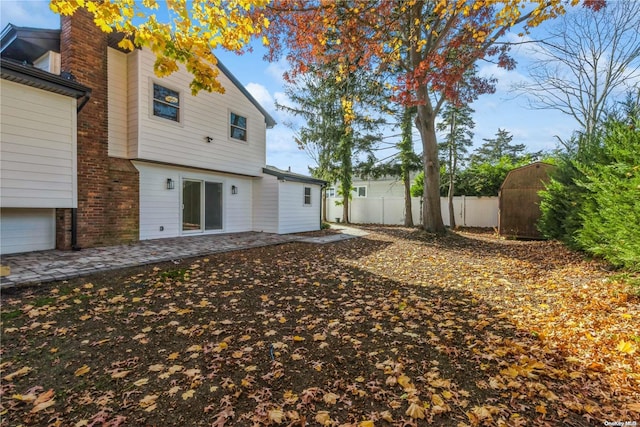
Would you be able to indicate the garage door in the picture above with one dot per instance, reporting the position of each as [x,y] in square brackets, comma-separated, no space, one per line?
[25,230]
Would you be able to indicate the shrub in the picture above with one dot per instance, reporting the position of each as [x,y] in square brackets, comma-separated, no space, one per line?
[611,212]
[593,200]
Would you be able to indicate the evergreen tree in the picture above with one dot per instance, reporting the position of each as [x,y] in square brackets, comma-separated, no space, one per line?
[496,148]
[339,124]
[458,123]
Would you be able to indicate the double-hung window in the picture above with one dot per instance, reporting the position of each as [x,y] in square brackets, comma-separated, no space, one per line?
[166,103]
[238,127]
[307,196]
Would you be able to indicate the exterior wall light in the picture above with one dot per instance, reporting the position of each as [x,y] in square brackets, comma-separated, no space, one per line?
[170,184]
[234,189]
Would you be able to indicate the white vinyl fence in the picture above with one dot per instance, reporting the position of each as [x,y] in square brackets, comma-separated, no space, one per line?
[470,211]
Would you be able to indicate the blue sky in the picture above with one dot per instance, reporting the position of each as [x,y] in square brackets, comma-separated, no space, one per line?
[534,128]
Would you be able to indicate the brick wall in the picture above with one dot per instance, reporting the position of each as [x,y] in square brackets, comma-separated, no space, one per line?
[107,189]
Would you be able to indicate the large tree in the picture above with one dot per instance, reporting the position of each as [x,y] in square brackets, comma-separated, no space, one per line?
[426,45]
[586,63]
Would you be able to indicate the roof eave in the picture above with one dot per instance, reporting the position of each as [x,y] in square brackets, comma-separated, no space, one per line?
[40,79]
[284,176]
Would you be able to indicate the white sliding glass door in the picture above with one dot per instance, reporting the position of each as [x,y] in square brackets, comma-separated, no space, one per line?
[201,205]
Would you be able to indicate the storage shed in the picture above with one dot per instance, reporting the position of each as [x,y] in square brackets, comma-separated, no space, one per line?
[519,209]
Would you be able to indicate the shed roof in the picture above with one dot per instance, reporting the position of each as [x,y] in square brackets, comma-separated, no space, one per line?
[528,176]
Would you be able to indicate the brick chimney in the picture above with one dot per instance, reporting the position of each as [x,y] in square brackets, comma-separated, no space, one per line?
[101,179]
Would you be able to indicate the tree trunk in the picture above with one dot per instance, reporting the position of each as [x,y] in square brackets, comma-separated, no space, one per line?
[345,209]
[452,216]
[408,215]
[453,164]
[406,147]
[425,122]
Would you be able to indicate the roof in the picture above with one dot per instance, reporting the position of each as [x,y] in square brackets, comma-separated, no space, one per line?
[40,79]
[291,176]
[527,176]
[28,44]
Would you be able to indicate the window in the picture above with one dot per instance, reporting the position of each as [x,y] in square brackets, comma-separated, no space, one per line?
[360,191]
[307,196]
[238,127]
[166,103]
[331,192]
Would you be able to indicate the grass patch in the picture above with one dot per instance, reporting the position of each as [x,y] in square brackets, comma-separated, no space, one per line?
[173,274]
[9,315]
[41,302]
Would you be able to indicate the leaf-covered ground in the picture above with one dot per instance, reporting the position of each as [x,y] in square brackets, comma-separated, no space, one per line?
[398,328]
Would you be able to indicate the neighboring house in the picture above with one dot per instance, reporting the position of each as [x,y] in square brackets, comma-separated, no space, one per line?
[386,186]
[149,160]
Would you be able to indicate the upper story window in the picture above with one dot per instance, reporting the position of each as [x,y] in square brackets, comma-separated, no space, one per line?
[166,103]
[307,196]
[238,127]
[360,191]
[331,192]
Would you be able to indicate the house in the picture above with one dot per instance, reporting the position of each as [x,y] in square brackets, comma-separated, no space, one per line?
[519,202]
[136,157]
[38,168]
[385,186]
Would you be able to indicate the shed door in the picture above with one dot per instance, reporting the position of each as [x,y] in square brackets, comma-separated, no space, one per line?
[26,230]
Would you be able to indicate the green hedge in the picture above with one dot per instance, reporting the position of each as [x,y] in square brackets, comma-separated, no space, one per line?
[593,201]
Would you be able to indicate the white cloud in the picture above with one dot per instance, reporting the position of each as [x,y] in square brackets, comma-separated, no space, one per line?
[506,79]
[28,13]
[276,69]
[262,95]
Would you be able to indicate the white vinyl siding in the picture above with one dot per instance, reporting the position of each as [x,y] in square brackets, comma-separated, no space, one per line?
[117,100]
[25,230]
[294,215]
[160,207]
[134,97]
[38,150]
[265,204]
[202,116]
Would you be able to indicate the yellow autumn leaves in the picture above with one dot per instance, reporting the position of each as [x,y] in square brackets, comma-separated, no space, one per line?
[197,28]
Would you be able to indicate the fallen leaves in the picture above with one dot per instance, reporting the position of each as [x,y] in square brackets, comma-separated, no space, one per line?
[19,373]
[627,347]
[395,329]
[82,371]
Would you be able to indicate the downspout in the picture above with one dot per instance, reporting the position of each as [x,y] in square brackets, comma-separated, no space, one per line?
[74,211]
[323,201]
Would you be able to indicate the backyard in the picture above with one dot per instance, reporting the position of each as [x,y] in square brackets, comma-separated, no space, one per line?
[396,328]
